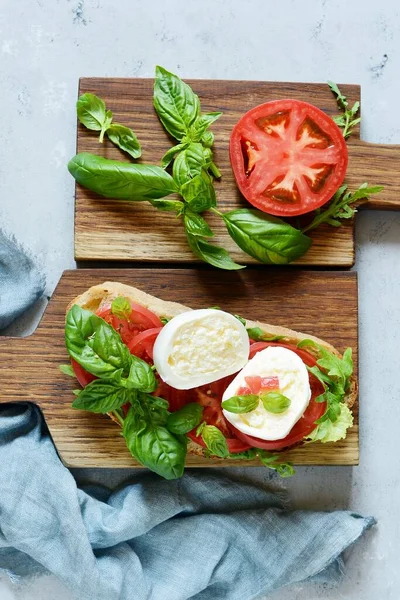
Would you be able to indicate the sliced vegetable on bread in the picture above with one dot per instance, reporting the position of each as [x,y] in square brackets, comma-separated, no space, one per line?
[204,381]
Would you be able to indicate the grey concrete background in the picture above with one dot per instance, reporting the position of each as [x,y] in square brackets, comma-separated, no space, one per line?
[46,45]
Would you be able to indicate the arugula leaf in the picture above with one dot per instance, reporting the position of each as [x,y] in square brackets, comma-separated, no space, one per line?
[124,138]
[258,335]
[274,402]
[184,420]
[195,225]
[67,370]
[340,207]
[267,239]
[94,344]
[199,192]
[121,180]
[101,396]
[346,121]
[332,431]
[218,257]
[241,404]
[175,102]
[153,445]
[215,441]
[339,369]
[274,461]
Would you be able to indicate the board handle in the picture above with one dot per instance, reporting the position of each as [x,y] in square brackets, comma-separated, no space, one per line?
[378,164]
[18,370]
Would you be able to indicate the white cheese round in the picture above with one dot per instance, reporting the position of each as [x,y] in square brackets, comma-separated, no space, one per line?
[293,383]
[200,346]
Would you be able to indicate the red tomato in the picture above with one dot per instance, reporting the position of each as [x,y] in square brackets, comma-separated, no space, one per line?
[306,423]
[257,384]
[288,157]
[139,320]
[82,376]
[142,344]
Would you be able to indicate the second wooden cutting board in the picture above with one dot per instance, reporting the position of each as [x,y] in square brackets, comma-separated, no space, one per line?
[123,231]
[321,304]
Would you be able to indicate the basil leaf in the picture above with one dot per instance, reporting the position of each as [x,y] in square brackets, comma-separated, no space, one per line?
[188,163]
[274,461]
[241,404]
[101,396]
[141,376]
[207,139]
[215,441]
[121,307]
[239,318]
[67,370]
[170,154]
[106,125]
[196,225]
[94,344]
[121,180]
[266,238]
[124,138]
[199,192]
[218,257]
[184,420]
[274,402]
[201,124]
[91,111]
[258,335]
[168,205]
[154,446]
[175,102]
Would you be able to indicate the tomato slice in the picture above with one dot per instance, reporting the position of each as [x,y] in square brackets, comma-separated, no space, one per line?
[143,343]
[140,319]
[288,157]
[306,423]
[83,377]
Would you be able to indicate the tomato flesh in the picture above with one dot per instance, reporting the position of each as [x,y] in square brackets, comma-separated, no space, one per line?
[288,157]
[143,343]
[140,319]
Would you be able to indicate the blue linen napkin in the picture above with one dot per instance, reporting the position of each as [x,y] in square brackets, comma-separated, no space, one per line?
[207,536]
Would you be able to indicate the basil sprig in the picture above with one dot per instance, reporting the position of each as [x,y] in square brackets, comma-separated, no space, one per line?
[92,113]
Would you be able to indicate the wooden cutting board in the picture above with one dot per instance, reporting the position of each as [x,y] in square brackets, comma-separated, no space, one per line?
[321,304]
[123,231]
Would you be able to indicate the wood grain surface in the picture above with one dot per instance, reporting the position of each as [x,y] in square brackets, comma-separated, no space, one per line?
[110,230]
[318,303]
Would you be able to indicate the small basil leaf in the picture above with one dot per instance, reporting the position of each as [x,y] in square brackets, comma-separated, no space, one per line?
[154,446]
[175,102]
[266,238]
[141,376]
[215,441]
[207,139]
[170,154]
[168,205]
[239,318]
[199,192]
[196,225]
[94,344]
[106,124]
[101,396]
[184,420]
[241,404]
[258,335]
[121,180]
[274,402]
[218,257]
[124,138]
[121,307]
[67,370]
[91,111]
[188,163]
[201,124]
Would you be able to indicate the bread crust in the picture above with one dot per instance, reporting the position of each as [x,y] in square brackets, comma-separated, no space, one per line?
[99,296]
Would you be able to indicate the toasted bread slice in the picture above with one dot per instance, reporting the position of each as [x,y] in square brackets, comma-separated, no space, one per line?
[101,295]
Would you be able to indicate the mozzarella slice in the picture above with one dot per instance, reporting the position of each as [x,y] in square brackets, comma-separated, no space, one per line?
[200,346]
[293,383]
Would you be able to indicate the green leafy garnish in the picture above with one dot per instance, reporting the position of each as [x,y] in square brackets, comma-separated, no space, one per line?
[67,370]
[241,404]
[215,441]
[274,402]
[332,431]
[348,120]
[341,206]
[184,420]
[121,307]
[258,335]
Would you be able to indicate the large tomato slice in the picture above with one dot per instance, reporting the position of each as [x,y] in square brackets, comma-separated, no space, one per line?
[140,319]
[288,157]
[306,423]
